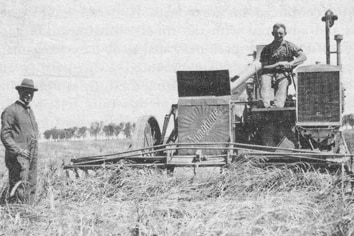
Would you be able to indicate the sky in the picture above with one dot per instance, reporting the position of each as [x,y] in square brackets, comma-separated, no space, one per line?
[114,61]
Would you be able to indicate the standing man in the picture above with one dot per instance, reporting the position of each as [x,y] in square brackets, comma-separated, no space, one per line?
[278,59]
[19,133]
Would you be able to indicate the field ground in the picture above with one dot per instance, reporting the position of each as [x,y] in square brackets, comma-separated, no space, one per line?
[241,200]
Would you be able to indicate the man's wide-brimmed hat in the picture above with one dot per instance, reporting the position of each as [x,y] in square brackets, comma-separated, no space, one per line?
[26,84]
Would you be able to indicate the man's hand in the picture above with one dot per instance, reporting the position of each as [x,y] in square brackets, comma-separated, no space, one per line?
[281,65]
[25,153]
[285,64]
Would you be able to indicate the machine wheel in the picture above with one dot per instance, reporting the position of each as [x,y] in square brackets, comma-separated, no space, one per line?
[147,134]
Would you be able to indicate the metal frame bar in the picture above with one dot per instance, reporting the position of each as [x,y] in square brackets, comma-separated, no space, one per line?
[252,151]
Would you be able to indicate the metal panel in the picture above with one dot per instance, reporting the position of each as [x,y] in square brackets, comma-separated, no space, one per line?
[203,83]
[319,96]
[202,122]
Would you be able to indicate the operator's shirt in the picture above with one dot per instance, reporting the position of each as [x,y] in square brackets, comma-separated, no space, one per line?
[18,128]
[286,51]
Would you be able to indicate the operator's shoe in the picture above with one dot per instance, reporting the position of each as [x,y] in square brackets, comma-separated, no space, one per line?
[259,104]
[273,105]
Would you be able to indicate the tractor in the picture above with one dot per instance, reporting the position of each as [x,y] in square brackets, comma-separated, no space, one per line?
[214,122]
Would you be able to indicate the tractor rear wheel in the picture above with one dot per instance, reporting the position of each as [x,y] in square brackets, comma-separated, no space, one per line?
[147,134]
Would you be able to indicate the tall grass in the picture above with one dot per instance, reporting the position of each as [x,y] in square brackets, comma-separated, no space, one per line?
[241,200]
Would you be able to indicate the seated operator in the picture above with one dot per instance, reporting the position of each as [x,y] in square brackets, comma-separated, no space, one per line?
[278,59]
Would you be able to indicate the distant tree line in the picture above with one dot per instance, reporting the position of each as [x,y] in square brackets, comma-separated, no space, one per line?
[348,120]
[95,130]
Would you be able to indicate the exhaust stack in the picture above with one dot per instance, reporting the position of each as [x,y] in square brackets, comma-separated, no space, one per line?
[329,19]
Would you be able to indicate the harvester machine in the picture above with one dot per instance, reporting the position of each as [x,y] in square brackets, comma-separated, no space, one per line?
[219,119]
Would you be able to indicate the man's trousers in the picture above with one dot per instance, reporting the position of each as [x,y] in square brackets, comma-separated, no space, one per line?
[274,87]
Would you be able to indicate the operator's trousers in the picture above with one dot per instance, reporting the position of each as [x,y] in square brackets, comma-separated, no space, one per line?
[22,169]
[274,87]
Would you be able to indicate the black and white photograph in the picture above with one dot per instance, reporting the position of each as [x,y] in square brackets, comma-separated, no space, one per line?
[181,117]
